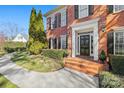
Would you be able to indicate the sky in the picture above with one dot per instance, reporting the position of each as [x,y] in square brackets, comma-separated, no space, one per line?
[17,17]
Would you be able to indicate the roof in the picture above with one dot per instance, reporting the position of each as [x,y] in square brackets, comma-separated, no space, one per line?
[54,10]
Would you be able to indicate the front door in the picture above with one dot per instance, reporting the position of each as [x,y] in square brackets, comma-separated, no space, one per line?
[85,45]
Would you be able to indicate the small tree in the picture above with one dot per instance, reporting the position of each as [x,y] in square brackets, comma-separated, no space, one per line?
[37,36]
[102,56]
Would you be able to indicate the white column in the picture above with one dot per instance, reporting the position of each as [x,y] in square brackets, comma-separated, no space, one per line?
[57,42]
[73,44]
[95,43]
[51,43]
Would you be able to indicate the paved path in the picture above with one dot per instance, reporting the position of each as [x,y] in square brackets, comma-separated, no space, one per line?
[64,78]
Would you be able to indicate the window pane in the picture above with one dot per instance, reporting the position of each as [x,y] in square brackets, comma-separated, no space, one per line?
[119,7]
[63,42]
[119,43]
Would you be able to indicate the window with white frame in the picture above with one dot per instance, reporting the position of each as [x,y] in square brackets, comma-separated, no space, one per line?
[83,11]
[52,21]
[63,42]
[118,7]
[119,42]
[63,18]
[116,42]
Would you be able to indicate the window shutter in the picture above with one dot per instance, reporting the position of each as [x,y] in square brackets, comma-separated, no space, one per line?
[110,8]
[66,17]
[49,43]
[110,43]
[76,11]
[91,9]
[49,23]
[55,22]
[59,20]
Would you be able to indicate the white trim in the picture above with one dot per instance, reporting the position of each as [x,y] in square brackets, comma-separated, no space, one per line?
[51,43]
[92,24]
[85,23]
[118,28]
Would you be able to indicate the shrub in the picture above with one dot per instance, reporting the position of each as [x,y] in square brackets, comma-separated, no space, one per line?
[117,64]
[102,56]
[109,80]
[14,46]
[53,53]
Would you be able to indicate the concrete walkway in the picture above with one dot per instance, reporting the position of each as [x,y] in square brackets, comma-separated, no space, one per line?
[64,78]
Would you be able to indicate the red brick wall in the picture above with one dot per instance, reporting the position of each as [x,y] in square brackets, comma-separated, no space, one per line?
[100,11]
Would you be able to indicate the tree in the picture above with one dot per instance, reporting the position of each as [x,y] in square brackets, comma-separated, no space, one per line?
[37,36]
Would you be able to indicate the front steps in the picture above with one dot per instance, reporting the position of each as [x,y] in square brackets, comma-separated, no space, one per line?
[83,65]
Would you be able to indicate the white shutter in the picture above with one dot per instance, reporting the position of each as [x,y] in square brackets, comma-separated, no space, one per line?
[83,11]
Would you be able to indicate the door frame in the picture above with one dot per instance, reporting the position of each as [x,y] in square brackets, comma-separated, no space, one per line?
[82,34]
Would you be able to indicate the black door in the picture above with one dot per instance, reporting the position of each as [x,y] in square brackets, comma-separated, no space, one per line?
[85,45]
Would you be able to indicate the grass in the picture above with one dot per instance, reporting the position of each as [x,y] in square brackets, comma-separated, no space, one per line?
[2,53]
[5,83]
[38,63]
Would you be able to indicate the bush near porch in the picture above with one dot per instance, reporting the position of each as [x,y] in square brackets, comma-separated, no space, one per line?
[54,53]
[110,80]
[117,64]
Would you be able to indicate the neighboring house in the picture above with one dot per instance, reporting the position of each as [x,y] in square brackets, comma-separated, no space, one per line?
[86,30]
[20,38]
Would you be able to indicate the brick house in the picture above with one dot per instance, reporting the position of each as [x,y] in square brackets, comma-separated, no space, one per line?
[86,30]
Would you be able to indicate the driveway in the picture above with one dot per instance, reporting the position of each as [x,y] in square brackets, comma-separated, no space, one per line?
[64,78]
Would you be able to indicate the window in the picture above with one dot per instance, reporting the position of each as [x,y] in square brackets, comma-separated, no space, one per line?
[83,11]
[63,42]
[63,18]
[116,42]
[91,9]
[110,8]
[119,42]
[76,12]
[118,7]
[52,21]
[54,43]
[57,21]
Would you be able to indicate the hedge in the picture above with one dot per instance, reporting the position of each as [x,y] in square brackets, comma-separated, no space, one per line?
[109,80]
[117,64]
[14,46]
[54,53]
[10,50]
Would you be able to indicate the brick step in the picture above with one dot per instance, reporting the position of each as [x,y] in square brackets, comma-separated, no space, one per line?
[83,64]
[84,70]
[79,60]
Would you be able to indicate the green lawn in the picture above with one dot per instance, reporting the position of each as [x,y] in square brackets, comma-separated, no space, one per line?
[2,53]
[5,83]
[38,63]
